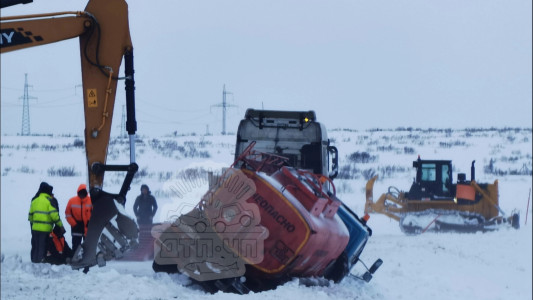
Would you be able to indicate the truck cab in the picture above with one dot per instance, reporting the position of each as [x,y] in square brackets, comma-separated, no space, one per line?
[295,135]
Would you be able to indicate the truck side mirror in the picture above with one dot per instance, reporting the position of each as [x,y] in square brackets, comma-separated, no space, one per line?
[334,154]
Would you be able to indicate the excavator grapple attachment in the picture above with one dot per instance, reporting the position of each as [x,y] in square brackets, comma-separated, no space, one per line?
[110,233]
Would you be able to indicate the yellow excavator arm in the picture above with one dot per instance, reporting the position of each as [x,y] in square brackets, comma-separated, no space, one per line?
[104,36]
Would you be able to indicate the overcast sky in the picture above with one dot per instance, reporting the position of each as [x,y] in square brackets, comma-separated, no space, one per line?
[358,64]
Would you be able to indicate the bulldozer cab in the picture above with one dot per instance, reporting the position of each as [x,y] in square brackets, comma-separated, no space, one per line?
[433,180]
[295,135]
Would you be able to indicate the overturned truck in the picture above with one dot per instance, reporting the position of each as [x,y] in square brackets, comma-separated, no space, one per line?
[270,217]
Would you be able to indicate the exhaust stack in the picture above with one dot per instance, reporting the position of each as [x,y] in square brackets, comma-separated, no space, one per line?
[473,171]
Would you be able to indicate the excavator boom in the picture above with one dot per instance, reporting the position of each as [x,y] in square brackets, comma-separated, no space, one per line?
[104,36]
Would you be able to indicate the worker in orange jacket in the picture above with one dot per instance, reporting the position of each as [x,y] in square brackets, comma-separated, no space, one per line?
[59,252]
[78,214]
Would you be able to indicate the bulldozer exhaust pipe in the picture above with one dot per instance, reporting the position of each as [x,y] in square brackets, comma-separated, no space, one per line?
[473,171]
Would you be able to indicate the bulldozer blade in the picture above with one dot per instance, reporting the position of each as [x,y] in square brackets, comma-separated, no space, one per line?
[107,213]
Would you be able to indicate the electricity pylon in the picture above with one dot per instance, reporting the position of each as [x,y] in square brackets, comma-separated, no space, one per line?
[224,106]
[26,108]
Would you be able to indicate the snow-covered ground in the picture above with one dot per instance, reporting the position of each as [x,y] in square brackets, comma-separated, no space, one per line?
[494,265]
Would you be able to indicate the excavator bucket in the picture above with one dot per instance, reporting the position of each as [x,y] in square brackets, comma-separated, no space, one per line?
[110,233]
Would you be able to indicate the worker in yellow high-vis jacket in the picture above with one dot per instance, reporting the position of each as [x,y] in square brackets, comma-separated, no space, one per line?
[43,216]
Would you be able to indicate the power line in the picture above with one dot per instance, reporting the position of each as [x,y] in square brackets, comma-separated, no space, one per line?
[26,108]
[167,108]
[45,104]
[40,90]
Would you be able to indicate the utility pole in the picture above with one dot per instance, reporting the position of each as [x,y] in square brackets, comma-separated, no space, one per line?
[26,108]
[224,106]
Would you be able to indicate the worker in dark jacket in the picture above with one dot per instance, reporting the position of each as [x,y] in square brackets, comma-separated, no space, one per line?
[42,216]
[145,206]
